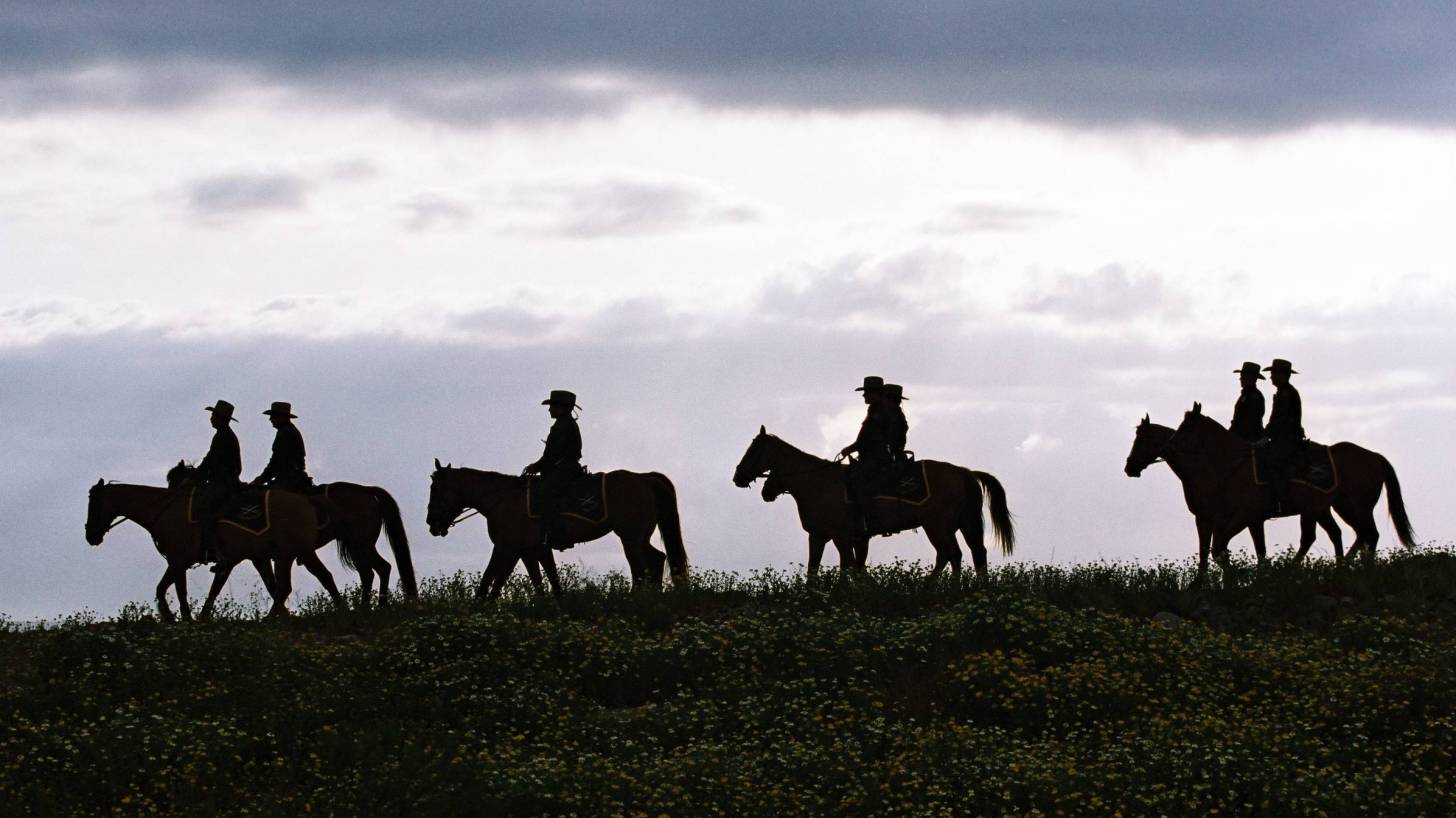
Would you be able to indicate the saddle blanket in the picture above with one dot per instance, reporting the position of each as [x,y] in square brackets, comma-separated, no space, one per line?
[584,499]
[247,510]
[906,482]
[1315,468]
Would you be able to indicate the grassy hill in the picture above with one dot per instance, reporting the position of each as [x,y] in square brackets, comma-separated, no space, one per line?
[1098,690]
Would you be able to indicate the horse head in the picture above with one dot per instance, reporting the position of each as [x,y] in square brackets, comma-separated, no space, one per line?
[99,513]
[446,499]
[1148,446]
[181,474]
[752,467]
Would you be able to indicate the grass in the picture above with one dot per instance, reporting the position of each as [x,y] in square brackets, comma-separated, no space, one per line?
[1100,689]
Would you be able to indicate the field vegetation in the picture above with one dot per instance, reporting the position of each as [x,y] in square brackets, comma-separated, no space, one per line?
[1095,690]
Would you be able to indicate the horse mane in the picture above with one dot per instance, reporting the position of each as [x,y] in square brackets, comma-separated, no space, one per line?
[479,474]
[795,449]
[182,471]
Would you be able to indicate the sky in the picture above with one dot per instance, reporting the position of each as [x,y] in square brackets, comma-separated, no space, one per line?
[414,221]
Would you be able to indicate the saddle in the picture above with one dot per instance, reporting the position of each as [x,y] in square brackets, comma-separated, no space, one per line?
[1311,465]
[247,510]
[904,481]
[584,498]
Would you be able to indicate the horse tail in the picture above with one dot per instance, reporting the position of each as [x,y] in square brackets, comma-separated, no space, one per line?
[1396,504]
[398,541]
[1001,520]
[669,524]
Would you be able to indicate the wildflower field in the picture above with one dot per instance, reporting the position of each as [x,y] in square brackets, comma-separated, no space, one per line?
[1096,690]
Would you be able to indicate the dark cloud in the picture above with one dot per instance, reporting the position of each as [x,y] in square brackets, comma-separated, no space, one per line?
[1205,66]
[235,194]
[614,207]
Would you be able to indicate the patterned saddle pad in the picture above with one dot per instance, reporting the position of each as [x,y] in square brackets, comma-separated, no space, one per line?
[1315,468]
[247,510]
[584,499]
[906,482]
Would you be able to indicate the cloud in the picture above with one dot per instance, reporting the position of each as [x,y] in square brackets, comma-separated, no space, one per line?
[233,194]
[987,217]
[614,207]
[1111,294]
[1204,66]
[430,211]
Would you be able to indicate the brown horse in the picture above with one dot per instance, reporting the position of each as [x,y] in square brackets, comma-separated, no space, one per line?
[163,513]
[353,515]
[1221,483]
[818,487]
[636,504]
[1150,445]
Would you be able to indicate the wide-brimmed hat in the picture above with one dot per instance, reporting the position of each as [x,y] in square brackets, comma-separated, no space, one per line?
[871,383]
[895,391]
[1281,365]
[1249,368]
[224,408]
[280,407]
[561,397]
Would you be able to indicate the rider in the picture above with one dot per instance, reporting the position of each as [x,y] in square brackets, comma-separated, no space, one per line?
[285,469]
[219,475]
[558,465]
[1248,420]
[873,447]
[896,426]
[1284,436]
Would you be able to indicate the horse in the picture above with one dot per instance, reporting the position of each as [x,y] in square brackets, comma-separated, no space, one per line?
[1223,484]
[636,504]
[818,488]
[353,514]
[163,513]
[1150,445]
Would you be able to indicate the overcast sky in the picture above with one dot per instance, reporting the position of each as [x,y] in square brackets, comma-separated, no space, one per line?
[413,221]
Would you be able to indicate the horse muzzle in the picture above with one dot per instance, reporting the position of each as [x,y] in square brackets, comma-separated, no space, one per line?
[94,537]
[1133,469]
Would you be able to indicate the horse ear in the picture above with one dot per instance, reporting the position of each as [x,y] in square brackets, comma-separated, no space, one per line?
[1197,408]
[437,464]
[100,481]
[762,430]
[1146,420]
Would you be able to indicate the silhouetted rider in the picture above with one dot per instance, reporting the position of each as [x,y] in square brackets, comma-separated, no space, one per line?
[873,447]
[896,427]
[1284,436]
[558,465]
[219,476]
[285,469]
[1248,420]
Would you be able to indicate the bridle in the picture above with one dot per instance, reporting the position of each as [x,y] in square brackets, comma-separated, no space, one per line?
[493,499]
[159,506]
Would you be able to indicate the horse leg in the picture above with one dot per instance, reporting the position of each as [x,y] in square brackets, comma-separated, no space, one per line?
[1256,533]
[283,582]
[533,570]
[310,560]
[816,554]
[1203,537]
[163,609]
[548,567]
[1332,530]
[382,567]
[947,551]
[975,537]
[265,572]
[219,579]
[1306,536]
[1218,544]
[179,581]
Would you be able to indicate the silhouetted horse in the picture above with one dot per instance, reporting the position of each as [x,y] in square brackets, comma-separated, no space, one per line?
[1149,446]
[818,487]
[1221,482]
[636,503]
[354,515]
[163,513]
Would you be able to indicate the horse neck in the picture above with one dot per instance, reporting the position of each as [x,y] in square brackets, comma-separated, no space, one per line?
[1215,457]
[798,469]
[142,505]
[481,487]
